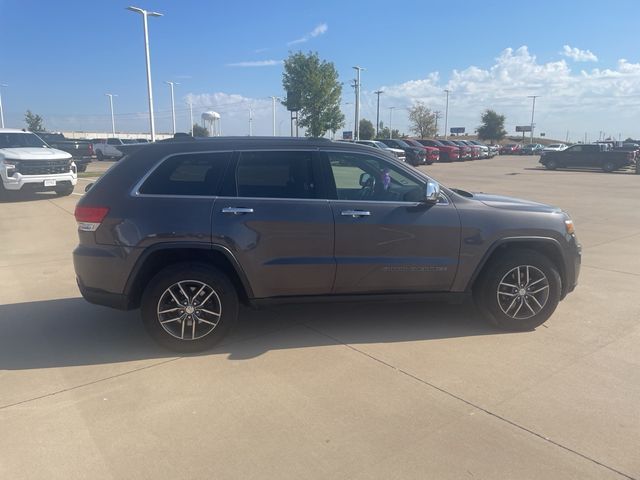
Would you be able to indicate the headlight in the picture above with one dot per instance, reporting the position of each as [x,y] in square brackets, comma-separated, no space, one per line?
[10,169]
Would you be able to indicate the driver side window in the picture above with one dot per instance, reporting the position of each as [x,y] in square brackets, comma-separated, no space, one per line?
[367,178]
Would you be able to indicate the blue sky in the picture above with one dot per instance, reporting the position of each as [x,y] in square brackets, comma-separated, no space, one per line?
[59,58]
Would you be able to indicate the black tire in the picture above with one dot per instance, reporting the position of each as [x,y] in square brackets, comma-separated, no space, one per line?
[551,165]
[608,166]
[64,191]
[100,155]
[82,168]
[224,299]
[494,299]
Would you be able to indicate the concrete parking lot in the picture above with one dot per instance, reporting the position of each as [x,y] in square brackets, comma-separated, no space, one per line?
[342,391]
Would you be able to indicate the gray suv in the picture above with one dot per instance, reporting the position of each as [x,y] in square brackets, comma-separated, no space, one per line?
[187,230]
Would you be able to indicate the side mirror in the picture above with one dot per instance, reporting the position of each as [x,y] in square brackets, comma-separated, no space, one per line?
[432,193]
[88,187]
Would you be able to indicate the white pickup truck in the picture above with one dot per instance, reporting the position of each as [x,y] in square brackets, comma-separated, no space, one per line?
[107,148]
[27,163]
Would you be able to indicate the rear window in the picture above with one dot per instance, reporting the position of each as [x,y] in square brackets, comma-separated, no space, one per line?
[188,174]
[275,175]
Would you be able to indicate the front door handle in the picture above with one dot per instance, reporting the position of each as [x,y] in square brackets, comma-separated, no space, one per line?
[355,213]
[237,210]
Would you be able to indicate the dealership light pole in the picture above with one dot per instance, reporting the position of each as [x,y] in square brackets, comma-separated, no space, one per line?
[390,129]
[446,115]
[173,105]
[191,117]
[1,110]
[356,127]
[533,111]
[378,93]
[273,113]
[250,121]
[146,14]
[113,122]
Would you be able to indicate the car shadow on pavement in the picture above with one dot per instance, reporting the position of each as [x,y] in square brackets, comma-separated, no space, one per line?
[72,332]
[18,197]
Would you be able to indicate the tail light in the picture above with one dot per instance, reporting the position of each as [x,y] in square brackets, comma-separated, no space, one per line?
[90,218]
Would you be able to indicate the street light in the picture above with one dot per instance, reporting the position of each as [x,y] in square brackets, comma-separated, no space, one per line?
[1,110]
[378,93]
[390,129]
[146,14]
[191,117]
[356,127]
[533,110]
[446,115]
[113,122]
[273,112]
[173,105]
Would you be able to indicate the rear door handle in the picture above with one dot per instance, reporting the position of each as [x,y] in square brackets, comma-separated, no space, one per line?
[237,210]
[355,213]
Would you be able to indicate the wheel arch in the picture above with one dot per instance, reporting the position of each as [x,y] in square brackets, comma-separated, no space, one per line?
[161,256]
[548,247]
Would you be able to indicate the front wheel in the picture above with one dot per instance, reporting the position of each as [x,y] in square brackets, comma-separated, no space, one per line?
[64,191]
[519,291]
[189,307]
[608,166]
[100,155]
[551,165]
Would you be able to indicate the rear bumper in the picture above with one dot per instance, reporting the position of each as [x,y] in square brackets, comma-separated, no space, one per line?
[107,299]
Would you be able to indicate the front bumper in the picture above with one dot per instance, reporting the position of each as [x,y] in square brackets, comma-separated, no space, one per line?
[37,182]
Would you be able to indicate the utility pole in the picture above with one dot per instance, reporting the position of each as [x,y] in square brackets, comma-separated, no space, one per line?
[533,111]
[273,112]
[173,105]
[437,114]
[378,93]
[250,122]
[191,117]
[145,14]
[390,129]
[113,122]
[356,127]
[1,110]
[446,115]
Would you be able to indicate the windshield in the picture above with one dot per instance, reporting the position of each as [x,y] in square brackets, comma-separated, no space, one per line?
[381,145]
[402,143]
[20,140]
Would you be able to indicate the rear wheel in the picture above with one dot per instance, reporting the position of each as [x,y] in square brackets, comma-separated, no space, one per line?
[189,307]
[519,291]
[100,155]
[551,165]
[608,166]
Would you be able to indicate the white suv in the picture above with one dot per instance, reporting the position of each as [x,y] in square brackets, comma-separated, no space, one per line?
[27,163]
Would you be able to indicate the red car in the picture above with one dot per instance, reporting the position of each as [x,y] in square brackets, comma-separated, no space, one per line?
[476,153]
[448,153]
[510,149]
[432,153]
[465,151]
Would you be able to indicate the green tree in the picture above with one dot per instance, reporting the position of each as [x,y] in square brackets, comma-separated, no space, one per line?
[422,120]
[367,132]
[383,132]
[313,90]
[492,127]
[35,123]
[199,131]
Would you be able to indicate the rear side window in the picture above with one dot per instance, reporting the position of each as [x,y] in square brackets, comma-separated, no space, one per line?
[276,174]
[188,174]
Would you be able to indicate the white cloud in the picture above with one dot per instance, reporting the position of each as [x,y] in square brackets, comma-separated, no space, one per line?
[316,32]
[578,55]
[256,63]
[578,101]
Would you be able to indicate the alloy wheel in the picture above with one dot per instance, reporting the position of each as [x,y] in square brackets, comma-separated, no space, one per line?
[523,292]
[189,310]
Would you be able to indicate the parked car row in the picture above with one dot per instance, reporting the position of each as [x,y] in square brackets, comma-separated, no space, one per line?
[595,155]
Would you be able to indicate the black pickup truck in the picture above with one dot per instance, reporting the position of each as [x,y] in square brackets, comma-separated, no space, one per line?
[588,155]
[80,150]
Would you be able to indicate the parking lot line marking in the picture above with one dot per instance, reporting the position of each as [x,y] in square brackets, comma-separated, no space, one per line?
[79,194]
